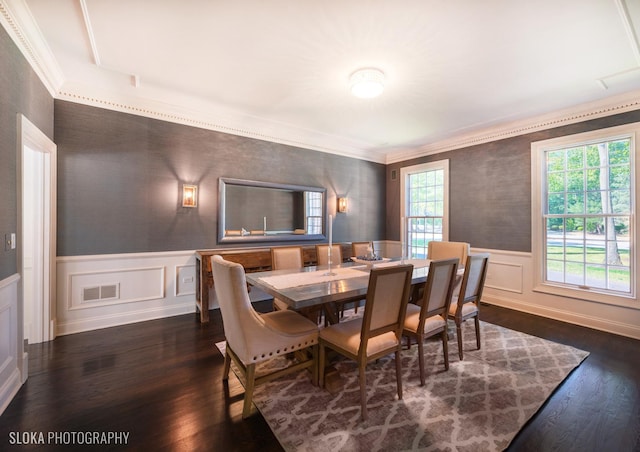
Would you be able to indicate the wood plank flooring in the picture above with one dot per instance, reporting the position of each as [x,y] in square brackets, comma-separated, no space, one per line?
[160,381]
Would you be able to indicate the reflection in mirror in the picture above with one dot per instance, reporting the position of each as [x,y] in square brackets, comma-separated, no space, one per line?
[263,211]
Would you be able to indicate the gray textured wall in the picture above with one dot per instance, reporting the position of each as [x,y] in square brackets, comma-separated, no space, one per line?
[20,92]
[490,187]
[119,177]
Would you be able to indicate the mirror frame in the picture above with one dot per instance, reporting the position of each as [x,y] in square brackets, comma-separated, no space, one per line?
[222,190]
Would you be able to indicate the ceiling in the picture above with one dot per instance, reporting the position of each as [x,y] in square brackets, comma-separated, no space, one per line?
[279,70]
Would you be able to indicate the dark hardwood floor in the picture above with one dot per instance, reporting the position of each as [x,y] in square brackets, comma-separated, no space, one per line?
[160,381]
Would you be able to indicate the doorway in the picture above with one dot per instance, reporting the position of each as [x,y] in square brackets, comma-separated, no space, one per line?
[36,238]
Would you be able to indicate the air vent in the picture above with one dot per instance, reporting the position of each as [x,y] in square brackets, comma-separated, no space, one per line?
[90,293]
[110,291]
[106,292]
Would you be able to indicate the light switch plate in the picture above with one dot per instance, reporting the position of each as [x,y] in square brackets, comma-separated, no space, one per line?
[13,240]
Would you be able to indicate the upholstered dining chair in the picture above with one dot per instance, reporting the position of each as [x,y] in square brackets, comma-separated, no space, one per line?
[376,334]
[285,258]
[467,304]
[322,254]
[430,318]
[446,250]
[359,249]
[253,338]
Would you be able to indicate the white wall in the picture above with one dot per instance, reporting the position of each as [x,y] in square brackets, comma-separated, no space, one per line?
[11,374]
[146,286]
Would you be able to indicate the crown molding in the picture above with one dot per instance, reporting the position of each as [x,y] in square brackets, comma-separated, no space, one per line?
[207,117]
[20,25]
[584,112]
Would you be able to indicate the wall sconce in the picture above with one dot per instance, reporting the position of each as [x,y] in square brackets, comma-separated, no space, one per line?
[189,196]
[342,205]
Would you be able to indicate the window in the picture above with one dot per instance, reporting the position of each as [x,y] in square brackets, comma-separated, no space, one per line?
[425,209]
[583,213]
[313,212]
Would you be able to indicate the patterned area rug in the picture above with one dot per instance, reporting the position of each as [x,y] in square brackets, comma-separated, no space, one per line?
[479,404]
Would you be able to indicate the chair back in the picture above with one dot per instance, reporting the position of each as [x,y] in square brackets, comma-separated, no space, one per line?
[475,272]
[322,254]
[238,316]
[386,303]
[287,257]
[438,289]
[447,250]
[359,249]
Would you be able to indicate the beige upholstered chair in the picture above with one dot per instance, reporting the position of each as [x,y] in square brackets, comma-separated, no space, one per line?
[284,258]
[253,338]
[359,249]
[378,332]
[467,304]
[429,319]
[447,250]
[322,254]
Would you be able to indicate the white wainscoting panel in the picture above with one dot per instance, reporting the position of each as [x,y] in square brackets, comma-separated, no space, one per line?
[185,280]
[10,340]
[132,285]
[510,284]
[107,290]
[505,276]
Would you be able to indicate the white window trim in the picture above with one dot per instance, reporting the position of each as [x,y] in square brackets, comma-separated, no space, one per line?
[404,172]
[537,227]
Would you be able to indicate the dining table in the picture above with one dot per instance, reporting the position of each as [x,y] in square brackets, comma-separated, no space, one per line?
[325,286]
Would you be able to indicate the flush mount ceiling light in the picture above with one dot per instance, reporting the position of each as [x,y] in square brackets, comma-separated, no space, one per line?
[367,83]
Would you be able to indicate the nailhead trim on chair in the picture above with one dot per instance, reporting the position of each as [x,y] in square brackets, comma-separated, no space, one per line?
[286,350]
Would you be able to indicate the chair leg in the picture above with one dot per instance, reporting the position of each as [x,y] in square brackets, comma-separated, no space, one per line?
[321,364]
[314,367]
[399,373]
[363,390]
[227,365]
[445,348]
[421,359]
[248,390]
[477,321]
[459,334]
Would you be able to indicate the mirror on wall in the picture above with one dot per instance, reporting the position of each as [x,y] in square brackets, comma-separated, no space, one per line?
[257,211]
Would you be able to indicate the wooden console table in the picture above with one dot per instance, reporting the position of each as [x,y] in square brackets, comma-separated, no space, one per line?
[252,259]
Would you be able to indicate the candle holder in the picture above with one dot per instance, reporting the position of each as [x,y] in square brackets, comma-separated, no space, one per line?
[329,272]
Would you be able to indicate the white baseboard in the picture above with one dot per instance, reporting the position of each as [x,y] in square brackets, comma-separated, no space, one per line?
[9,389]
[125,318]
[602,324]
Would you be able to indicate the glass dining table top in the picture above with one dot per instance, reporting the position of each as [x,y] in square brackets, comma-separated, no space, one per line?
[317,285]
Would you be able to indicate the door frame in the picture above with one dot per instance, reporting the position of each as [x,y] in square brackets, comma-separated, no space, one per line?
[30,136]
